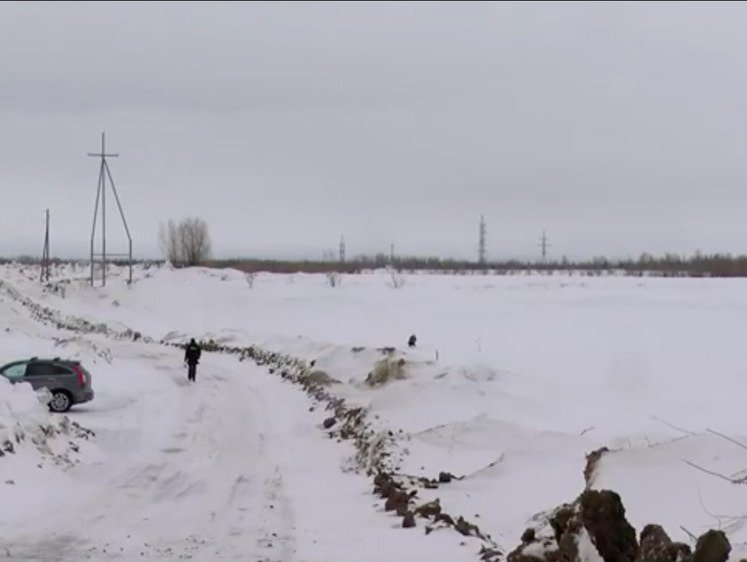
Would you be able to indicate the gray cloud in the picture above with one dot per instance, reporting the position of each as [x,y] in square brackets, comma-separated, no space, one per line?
[619,127]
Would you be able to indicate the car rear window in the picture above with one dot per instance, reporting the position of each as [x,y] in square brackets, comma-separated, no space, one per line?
[39,369]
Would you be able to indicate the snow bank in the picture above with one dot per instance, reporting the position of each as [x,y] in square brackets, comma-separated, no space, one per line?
[514,380]
[27,425]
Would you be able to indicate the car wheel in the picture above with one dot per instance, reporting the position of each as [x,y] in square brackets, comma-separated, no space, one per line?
[60,402]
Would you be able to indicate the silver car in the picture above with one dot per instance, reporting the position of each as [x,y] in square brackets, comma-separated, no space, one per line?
[67,380]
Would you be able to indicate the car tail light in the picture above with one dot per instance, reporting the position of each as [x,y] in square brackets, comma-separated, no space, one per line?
[81,376]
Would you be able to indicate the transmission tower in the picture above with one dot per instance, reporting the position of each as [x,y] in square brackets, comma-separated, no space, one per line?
[45,250]
[342,249]
[482,249]
[544,244]
[104,174]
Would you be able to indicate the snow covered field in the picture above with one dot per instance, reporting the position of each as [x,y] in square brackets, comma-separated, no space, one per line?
[513,381]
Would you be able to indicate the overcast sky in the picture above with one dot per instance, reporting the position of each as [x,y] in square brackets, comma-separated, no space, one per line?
[617,127]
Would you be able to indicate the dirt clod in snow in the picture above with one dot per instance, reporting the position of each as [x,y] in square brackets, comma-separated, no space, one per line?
[591,465]
[603,515]
[656,546]
[596,521]
[528,536]
[374,448]
[408,520]
[445,477]
[712,546]
[429,509]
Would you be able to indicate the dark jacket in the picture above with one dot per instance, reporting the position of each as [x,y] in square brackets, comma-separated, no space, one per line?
[192,353]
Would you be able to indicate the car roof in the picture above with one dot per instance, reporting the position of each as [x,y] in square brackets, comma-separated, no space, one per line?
[43,360]
[58,360]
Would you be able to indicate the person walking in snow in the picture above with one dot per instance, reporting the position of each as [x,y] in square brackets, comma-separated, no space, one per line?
[192,358]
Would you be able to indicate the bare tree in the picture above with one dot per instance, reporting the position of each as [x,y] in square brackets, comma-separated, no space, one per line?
[186,243]
[168,239]
[195,240]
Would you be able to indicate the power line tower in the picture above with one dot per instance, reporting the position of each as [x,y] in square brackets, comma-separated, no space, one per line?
[45,251]
[544,244]
[104,174]
[342,249]
[482,252]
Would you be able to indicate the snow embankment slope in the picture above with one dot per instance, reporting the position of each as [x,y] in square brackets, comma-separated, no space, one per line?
[514,379]
[230,468]
[29,434]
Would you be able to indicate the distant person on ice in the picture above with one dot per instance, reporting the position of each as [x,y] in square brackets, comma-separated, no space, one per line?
[192,358]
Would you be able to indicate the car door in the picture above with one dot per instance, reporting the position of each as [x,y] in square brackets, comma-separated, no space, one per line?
[40,375]
[14,372]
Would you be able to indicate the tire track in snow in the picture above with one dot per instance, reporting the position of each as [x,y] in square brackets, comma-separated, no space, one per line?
[210,491]
[288,538]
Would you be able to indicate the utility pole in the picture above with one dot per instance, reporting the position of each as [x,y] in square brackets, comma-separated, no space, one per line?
[482,252]
[45,251]
[544,244]
[104,174]
[391,253]
[342,249]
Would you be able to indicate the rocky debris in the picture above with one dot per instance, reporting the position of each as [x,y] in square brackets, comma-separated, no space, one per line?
[373,448]
[429,483]
[54,318]
[399,501]
[596,519]
[712,546]
[599,515]
[446,477]
[656,546]
[591,465]
[445,518]
[528,536]
[603,515]
[430,509]
[487,554]
[57,287]
[408,520]
[44,436]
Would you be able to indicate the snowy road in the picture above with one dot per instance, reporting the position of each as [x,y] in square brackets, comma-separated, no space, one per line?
[205,485]
[237,467]
[234,467]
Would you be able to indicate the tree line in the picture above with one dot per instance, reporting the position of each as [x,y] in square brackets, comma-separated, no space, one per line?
[187,243]
[668,265]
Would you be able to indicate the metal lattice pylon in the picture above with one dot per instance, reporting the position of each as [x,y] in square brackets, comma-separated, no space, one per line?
[104,175]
